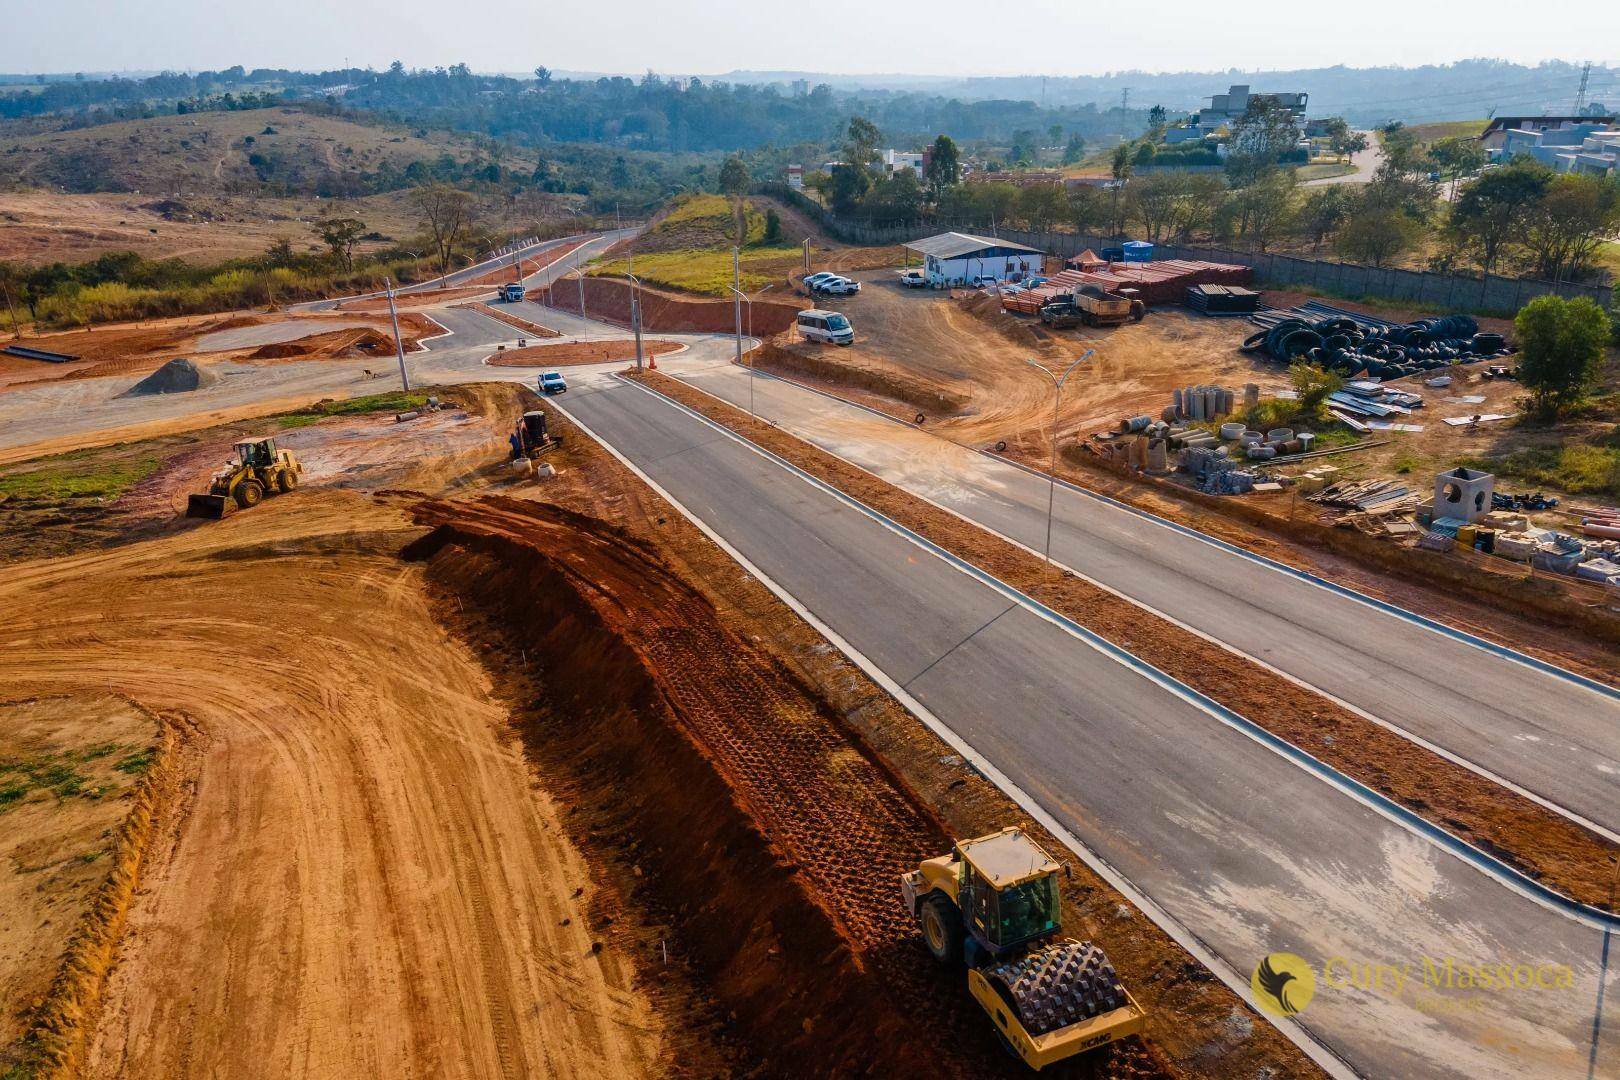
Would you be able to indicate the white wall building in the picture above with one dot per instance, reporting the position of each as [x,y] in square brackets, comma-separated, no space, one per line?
[955,258]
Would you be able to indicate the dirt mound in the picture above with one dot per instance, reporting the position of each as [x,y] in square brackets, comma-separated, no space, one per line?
[773,839]
[849,371]
[581,352]
[178,376]
[334,344]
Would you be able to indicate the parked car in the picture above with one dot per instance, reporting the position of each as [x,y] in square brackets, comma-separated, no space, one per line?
[552,382]
[828,326]
[913,279]
[983,281]
[839,286]
[813,281]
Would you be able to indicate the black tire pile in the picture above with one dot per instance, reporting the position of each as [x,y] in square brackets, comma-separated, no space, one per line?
[1059,984]
[1392,352]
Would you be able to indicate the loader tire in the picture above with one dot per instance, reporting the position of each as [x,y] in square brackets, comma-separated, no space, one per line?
[286,481]
[249,493]
[942,928]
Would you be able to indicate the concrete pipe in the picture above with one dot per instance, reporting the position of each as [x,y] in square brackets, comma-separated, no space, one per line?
[1305,438]
[1261,453]
[1176,400]
[1251,438]
[1251,395]
[1279,434]
[1230,432]
[1228,400]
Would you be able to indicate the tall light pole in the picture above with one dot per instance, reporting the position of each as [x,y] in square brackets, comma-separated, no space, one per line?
[1057,398]
[635,314]
[579,271]
[736,303]
[806,245]
[399,346]
[743,298]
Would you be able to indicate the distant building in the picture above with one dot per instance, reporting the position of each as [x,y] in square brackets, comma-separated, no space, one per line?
[1495,133]
[955,258]
[895,160]
[1573,148]
[1224,108]
[1189,133]
[801,87]
[795,177]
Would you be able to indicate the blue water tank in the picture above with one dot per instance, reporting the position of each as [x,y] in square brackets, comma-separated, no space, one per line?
[1137,251]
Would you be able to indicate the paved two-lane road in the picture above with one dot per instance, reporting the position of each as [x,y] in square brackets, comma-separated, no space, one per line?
[1243,849]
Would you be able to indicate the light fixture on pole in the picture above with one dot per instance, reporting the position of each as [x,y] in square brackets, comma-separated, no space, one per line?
[1057,398]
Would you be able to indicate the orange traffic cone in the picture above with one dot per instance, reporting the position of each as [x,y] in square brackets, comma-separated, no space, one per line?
[652,363]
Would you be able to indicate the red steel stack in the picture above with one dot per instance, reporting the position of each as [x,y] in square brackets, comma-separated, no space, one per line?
[1163,282]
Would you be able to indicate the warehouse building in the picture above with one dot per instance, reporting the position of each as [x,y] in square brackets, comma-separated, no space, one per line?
[955,258]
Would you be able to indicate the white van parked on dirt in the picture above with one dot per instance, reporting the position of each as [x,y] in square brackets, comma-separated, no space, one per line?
[829,326]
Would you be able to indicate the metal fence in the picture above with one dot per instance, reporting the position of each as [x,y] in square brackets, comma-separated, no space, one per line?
[1417,288]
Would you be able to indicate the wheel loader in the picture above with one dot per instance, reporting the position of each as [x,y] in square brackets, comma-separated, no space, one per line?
[992,905]
[258,470]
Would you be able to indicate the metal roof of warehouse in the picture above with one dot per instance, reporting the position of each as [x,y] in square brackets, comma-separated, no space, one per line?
[953,245]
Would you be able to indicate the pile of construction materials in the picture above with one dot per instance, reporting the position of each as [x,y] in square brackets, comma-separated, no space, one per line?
[1353,343]
[1366,496]
[1164,282]
[1365,405]
[1223,299]
[1205,402]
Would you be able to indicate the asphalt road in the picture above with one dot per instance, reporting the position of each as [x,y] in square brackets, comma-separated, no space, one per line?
[1366,164]
[1239,846]
[1555,738]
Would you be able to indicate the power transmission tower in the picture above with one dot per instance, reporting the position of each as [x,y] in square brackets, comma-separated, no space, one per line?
[1125,98]
[1580,95]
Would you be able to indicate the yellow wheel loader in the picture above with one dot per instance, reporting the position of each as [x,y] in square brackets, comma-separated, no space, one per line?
[992,904]
[259,470]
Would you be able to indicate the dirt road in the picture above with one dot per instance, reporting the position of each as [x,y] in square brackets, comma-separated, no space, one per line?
[366,880]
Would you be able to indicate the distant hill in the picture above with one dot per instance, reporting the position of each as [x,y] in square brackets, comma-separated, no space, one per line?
[271,151]
[1364,96]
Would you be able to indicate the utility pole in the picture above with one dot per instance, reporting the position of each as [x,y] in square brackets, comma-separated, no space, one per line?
[635,314]
[16,324]
[736,303]
[806,246]
[1057,397]
[737,293]
[579,275]
[399,346]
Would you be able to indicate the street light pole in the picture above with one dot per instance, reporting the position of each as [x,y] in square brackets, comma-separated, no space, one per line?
[635,314]
[744,299]
[1057,399]
[736,304]
[399,346]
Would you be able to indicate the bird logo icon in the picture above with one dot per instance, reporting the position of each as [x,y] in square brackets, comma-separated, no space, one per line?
[1283,984]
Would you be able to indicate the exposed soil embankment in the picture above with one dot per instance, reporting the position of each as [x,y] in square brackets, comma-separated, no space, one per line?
[833,368]
[771,840]
[608,299]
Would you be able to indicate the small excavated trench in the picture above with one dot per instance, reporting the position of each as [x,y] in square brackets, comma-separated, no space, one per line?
[749,819]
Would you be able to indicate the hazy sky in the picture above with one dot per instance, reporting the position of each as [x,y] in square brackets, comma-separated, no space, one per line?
[1054,37]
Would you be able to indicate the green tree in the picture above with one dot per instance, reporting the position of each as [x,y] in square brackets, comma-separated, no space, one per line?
[734,177]
[1324,210]
[542,75]
[1489,216]
[280,253]
[1157,116]
[1259,212]
[340,235]
[861,144]
[1569,223]
[1171,205]
[1403,156]
[1376,234]
[1313,384]
[1074,150]
[944,165]
[447,214]
[773,226]
[1455,158]
[1560,350]
[1120,166]
[1041,206]
[1024,146]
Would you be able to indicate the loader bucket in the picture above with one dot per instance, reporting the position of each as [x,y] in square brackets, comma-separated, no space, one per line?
[208,506]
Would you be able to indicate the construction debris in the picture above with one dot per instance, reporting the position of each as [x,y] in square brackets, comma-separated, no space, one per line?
[26,353]
[1478,418]
[1152,282]
[1367,496]
[1351,343]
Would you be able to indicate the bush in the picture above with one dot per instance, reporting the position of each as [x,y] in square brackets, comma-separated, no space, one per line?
[1314,385]
[1578,469]
[1560,349]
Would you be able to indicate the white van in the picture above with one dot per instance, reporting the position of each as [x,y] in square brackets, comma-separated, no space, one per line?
[829,326]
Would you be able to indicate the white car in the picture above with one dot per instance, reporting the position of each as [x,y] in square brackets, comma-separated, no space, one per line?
[813,281]
[839,286]
[913,279]
[983,281]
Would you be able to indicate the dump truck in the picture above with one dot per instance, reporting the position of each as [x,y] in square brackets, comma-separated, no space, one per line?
[992,906]
[1097,306]
[259,470]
